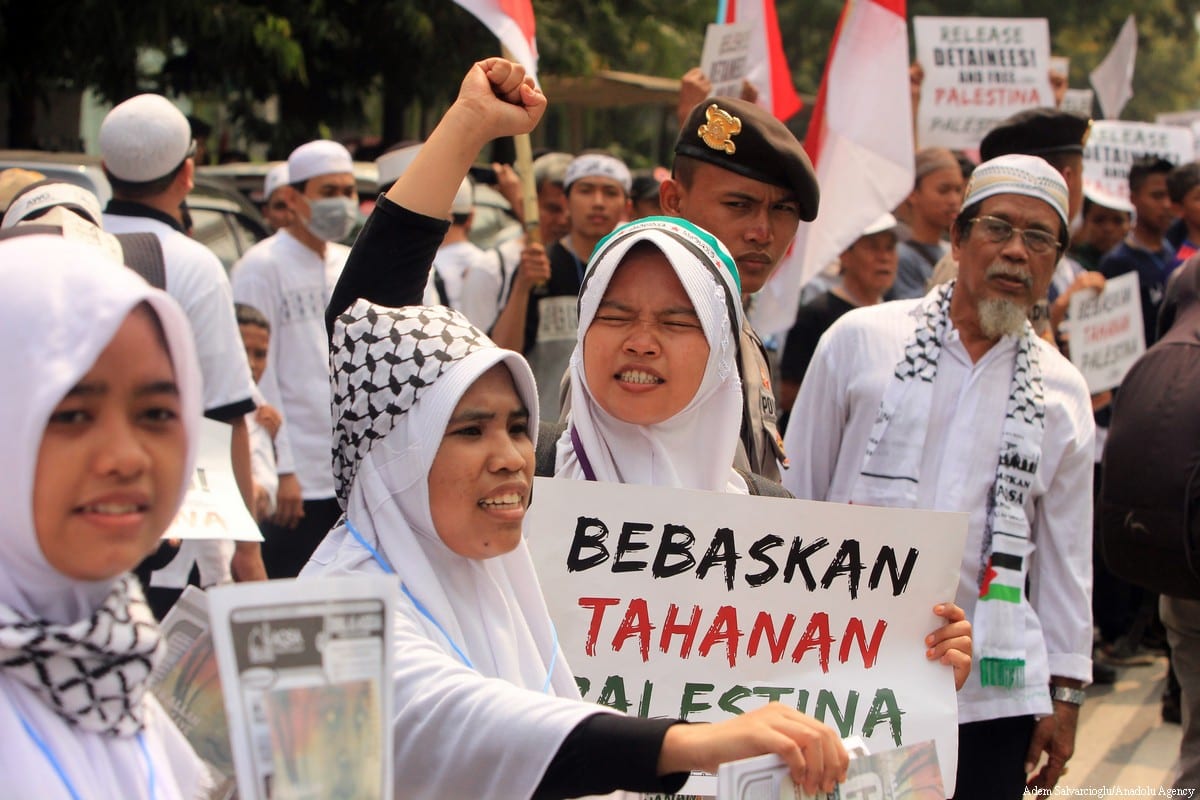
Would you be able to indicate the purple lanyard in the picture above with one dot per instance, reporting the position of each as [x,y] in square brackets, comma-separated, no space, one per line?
[580,454]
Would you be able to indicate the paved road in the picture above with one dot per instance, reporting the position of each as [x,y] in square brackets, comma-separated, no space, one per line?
[1123,746]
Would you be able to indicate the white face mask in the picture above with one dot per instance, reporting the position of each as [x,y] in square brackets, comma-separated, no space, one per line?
[332,218]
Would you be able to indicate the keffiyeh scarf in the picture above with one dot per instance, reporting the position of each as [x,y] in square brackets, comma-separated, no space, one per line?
[94,672]
[382,359]
[890,476]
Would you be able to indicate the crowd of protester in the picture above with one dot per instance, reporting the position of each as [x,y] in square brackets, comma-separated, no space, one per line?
[927,371]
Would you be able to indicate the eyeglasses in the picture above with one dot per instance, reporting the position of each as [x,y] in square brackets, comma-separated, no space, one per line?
[999,231]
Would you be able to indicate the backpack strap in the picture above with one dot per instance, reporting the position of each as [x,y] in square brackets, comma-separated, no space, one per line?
[547,444]
[144,255]
[762,486]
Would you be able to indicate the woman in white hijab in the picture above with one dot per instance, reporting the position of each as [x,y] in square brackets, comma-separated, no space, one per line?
[434,462]
[98,426]
[655,393]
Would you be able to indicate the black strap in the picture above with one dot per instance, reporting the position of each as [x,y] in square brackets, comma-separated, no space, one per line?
[547,445]
[144,255]
[762,486]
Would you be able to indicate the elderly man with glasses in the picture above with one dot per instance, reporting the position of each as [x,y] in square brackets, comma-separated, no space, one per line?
[951,402]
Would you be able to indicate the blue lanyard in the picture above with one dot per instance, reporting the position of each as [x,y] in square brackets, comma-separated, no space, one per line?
[423,611]
[61,773]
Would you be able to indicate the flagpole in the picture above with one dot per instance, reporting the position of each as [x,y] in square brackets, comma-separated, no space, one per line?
[524,166]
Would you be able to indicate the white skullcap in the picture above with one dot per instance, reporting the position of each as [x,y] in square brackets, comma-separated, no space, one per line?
[321,157]
[276,176]
[885,223]
[391,165]
[144,138]
[464,198]
[49,195]
[1030,176]
[598,165]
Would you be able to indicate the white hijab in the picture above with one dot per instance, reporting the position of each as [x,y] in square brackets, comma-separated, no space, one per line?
[484,731]
[695,448]
[61,304]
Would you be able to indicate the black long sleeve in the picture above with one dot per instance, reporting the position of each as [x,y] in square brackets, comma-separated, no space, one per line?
[390,261]
[607,752]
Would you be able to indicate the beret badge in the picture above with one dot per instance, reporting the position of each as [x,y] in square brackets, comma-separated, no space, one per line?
[719,129]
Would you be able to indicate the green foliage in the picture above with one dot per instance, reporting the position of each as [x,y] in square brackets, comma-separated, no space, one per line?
[321,57]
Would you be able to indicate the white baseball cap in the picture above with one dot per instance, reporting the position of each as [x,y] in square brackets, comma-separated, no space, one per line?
[144,138]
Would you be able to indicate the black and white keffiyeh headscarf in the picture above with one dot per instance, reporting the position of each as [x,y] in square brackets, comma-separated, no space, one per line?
[382,360]
[890,476]
[76,656]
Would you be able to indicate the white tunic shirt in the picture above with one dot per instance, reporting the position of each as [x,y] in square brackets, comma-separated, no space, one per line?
[826,440]
[197,281]
[453,262]
[291,285]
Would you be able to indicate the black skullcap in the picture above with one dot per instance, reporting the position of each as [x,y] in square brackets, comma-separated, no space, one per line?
[744,138]
[1036,132]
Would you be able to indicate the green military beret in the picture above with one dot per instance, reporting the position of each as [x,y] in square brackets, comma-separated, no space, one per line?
[1036,132]
[744,138]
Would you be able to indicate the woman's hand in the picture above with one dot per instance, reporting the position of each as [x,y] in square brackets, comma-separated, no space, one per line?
[812,750]
[499,99]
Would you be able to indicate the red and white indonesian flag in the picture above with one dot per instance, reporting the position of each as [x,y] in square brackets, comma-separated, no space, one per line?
[767,68]
[512,23]
[860,141]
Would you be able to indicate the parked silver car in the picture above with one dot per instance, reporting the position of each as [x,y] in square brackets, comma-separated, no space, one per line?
[222,219]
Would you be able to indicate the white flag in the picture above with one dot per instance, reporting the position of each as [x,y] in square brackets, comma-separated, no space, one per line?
[1113,78]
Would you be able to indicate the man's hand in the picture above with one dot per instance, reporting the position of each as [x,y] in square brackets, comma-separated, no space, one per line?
[289,502]
[508,184]
[270,418]
[262,503]
[247,564]
[1055,736]
[694,88]
[533,269]
[951,643]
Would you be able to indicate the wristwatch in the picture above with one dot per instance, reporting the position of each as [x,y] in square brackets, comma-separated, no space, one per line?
[1066,694]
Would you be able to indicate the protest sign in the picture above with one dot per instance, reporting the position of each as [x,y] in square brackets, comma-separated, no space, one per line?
[1113,146]
[306,668]
[905,773]
[1107,335]
[724,59]
[213,507]
[978,71]
[188,687]
[1078,101]
[699,605]
[1186,119]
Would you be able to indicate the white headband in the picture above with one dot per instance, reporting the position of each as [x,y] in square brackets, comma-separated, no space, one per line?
[598,165]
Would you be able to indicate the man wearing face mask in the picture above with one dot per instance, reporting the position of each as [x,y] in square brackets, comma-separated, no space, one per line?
[289,277]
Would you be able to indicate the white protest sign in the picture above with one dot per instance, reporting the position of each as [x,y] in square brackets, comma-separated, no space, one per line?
[700,605]
[213,507]
[1107,334]
[978,71]
[1186,119]
[1113,146]
[724,57]
[1078,101]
